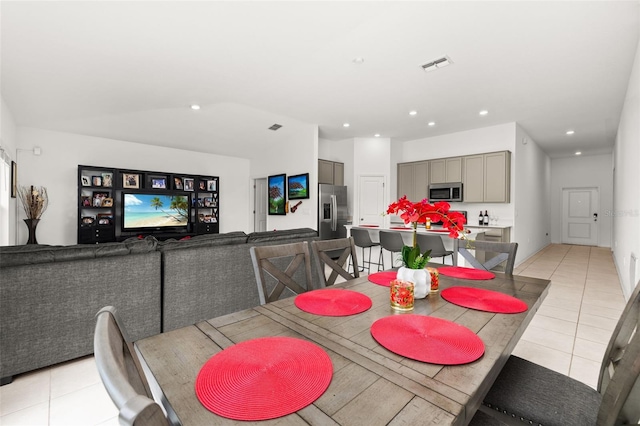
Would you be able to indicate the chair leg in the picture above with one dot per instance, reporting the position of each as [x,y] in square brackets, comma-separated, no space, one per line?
[381,259]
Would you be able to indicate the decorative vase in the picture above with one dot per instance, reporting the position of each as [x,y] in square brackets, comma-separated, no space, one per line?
[420,278]
[31,225]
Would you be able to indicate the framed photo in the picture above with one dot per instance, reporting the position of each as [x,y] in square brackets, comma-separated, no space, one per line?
[107,202]
[107,180]
[298,187]
[177,183]
[277,194]
[130,180]
[212,185]
[105,219]
[86,201]
[96,180]
[87,220]
[85,181]
[188,184]
[98,199]
[208,202]
[158,183]
[202,185]
[14,179]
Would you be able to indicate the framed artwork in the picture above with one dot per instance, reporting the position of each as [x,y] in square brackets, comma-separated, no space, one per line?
[158,183]
[277,194]
[298,187]
[130,180]
[14,179]
[188,184]
[107,180]
[177,183]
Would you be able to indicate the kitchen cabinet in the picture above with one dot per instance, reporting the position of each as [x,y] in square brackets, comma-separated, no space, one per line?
[445,170]
[486,177]
[473,180]
[330,172]
[413,180]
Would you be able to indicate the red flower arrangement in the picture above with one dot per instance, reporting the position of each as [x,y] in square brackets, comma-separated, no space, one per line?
[419,212]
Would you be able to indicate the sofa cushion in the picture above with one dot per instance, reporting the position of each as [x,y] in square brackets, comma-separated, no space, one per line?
[207,240]
[285,234]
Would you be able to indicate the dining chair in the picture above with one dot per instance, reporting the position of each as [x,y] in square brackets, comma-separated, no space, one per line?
[529,393]
[122,374]
[435,244]
[277,270]
[362,239]
[392,242]
[506,254]
[333,255]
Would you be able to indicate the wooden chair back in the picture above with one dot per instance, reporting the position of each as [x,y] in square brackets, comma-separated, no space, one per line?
[271,261]
[334,254]
[122,373]
[506,254]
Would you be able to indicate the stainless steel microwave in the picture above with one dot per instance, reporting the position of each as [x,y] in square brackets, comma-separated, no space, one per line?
[445,192]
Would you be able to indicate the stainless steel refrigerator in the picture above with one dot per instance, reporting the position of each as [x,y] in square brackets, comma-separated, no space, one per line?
[332,217]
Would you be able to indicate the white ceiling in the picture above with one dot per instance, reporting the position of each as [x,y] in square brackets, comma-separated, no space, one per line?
[129,70]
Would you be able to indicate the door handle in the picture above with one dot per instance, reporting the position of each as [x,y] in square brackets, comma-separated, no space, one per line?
[595,217]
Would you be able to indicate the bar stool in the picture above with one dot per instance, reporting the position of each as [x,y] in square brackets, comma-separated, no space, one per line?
[362,239]
[392,242]
[435,244]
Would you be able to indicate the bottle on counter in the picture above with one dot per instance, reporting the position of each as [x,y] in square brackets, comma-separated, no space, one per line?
[480,219]
[486,218]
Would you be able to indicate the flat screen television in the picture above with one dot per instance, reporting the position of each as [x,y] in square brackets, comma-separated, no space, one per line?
[155,211]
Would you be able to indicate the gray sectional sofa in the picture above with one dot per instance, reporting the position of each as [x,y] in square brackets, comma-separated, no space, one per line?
[49,295]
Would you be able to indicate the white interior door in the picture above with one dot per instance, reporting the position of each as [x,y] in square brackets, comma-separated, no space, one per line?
[260,205]
[580,216]
[371,204]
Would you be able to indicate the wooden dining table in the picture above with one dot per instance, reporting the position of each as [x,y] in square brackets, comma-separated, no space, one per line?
[370,385]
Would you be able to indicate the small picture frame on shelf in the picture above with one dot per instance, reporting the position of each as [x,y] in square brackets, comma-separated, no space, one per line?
[212,185]
[105,219]
[177,183]
[87,220]
[107,202]
[208,202]
[107,180]
[96,180]
[99,197]
[188,184]
[85,201]
[130,180]
[202,185]
[158,183]
[85,181]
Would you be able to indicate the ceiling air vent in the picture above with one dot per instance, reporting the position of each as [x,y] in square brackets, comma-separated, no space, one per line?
[438,63]
[275,127]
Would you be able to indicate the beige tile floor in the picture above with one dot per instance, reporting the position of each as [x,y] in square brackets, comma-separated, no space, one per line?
[568,334]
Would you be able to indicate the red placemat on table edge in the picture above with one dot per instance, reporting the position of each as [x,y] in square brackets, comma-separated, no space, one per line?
[484,300]
[264,378]
[383,278]
[333,302]
[466,273]
[369,226]
[428,339]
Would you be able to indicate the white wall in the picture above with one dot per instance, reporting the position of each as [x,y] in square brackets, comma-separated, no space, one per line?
[626,211]
[593,171]
[292,155]
[371,158]
[8,143]
[57,168]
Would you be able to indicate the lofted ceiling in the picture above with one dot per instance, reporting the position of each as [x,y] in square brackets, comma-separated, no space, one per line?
[129,70]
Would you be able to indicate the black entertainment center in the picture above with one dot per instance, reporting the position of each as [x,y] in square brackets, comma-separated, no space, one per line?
[116,204]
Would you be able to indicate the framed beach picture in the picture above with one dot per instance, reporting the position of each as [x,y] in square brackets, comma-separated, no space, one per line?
[298,186]
[277,194]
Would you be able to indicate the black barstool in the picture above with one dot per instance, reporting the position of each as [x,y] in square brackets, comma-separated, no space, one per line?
[392,242]
[361,238]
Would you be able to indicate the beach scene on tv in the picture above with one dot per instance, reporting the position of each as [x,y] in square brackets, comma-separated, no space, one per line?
[152,210]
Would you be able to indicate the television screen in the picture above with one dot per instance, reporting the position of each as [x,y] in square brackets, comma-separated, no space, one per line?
[154,211]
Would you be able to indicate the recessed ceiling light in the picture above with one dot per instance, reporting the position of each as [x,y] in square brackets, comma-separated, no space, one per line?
[431,123]
[377,135]
[578,153]
[570,132]
[358,60]
[346,125]
[195,107]
[413,112]
[484,112]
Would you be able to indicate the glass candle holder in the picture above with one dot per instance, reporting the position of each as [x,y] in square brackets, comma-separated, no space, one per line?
[435,279]
[402,295]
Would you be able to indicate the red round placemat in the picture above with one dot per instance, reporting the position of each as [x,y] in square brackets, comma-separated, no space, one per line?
[383,278]
[333,302]
[466,273]
[401,228]
[428,339]
[369,226]
[264,378]
[484,300]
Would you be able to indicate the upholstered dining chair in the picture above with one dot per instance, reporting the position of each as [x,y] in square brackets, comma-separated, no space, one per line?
[277,270]
[122,373]
[362,239]
[392,242]
[435,244]
[334,254]
[529,393]
[506,254]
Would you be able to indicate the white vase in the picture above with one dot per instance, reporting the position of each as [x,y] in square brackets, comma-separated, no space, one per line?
[420,278]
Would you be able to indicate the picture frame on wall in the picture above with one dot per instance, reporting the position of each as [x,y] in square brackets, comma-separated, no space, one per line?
[298,187]
[130,180]
[277,196]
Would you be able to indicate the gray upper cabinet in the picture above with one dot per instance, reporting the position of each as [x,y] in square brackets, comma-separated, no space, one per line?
[444,170]
[330,172]
[473,182]
[413,180]
[487,177]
